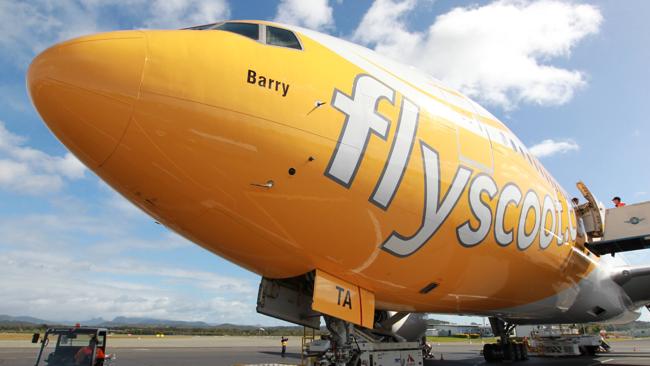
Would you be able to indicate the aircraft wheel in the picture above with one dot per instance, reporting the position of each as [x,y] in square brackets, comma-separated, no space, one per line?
[508,352]
[489,353]
[524,352]
[516,352]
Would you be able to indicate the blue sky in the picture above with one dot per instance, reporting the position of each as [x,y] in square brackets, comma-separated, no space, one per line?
[571,79]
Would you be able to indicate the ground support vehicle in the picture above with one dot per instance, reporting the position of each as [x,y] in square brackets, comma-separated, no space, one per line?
[559,342]
[76,346]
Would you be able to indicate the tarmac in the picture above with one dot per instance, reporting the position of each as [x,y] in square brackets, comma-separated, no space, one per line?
[217,351]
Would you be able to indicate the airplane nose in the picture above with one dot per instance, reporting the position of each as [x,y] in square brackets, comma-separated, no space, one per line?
[85,90]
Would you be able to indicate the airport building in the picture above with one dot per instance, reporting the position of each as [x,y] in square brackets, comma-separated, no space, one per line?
[452,330]
[640,333]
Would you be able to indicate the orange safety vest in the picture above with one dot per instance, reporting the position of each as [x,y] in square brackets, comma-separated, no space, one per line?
[87,351]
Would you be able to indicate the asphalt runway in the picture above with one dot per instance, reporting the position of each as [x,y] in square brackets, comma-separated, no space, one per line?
[174,356]
[635,352]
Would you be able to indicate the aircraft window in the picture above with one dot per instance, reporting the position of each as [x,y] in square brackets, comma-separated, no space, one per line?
[281,37]
[201,27]
[249,30]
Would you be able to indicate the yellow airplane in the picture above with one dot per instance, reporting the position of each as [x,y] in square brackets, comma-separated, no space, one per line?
[355,183]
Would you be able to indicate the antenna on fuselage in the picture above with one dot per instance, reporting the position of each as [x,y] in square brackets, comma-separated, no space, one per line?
[317,105]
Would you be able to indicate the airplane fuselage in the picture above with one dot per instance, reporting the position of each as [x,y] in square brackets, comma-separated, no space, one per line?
[327,157]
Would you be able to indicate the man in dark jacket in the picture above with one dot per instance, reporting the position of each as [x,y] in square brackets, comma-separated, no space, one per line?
[284,341]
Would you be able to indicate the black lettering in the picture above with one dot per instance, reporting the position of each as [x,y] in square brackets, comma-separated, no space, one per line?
[264,82]
[340,289]
[348,300]
[251,76]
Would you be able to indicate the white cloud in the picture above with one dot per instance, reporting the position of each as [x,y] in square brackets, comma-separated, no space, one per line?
[90,262]
[185,13]
[122,205]
[27,170]
[29,27]
[384,26]
[551,147]
[13,96]
[57,229]
[499,53]
[58,287]
[124,245]
[314,14]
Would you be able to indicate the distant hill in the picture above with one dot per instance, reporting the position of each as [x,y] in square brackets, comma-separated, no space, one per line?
[150,322]
[431,321]
[236,326]
[94,322]
[626,327]
[22,319]
[22,323]
[148,325]
[122,322]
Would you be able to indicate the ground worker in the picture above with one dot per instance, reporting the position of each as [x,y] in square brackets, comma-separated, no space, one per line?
[82,357]
[582,233]
[284,342]
[603,343]
[617,202]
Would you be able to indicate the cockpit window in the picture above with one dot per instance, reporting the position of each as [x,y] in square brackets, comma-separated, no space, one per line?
[201,27]
[281,37]
[270,35]
[249,30]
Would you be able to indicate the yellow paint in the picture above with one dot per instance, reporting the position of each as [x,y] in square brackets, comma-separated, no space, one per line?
[168,119]
[367,308]
[343,300]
